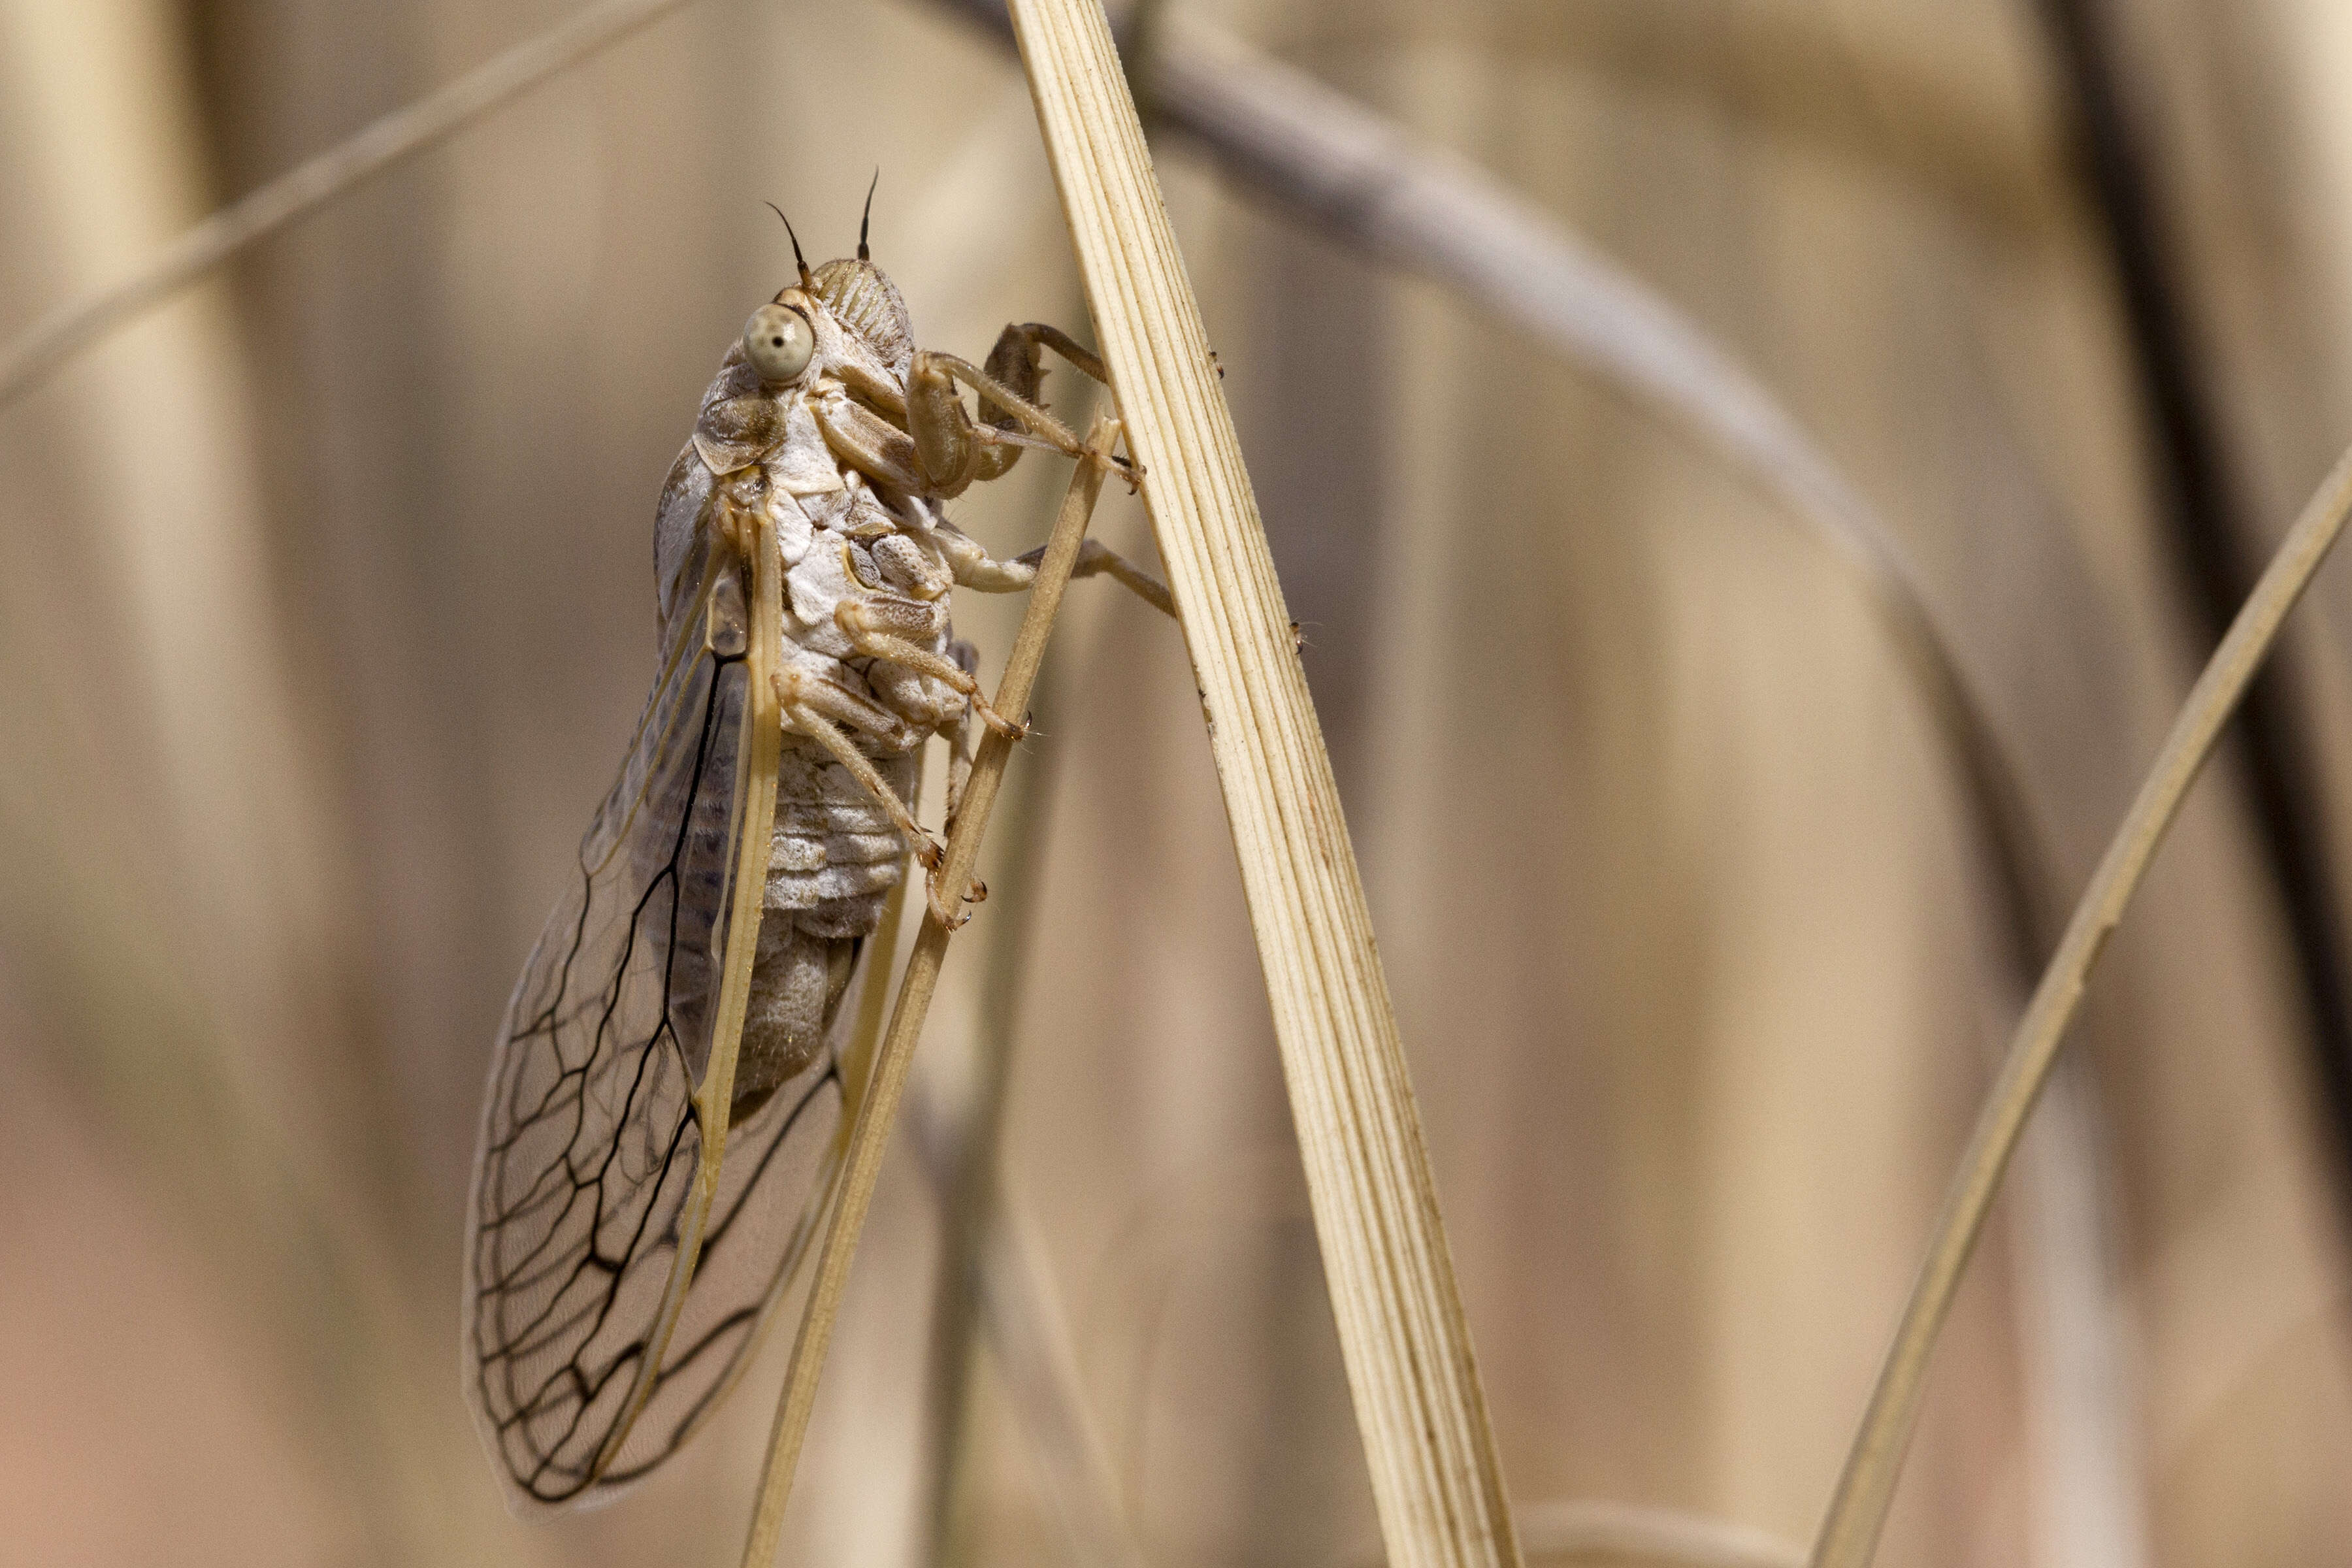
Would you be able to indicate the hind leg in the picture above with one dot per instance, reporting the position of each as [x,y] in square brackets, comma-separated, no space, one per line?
[818,708]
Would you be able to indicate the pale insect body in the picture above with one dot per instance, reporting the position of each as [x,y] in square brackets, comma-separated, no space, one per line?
[679,1004]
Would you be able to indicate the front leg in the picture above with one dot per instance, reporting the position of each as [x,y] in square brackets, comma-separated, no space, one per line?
[974,567]
[872,445]
[1018,361]
[937,420]
[956,452]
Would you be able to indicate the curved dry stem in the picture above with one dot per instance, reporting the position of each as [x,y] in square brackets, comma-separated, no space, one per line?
[75,325]
[1593,1534]
[877,1105]
[1857,1512]
[1587,1531]
[1370,183]
[1326,159]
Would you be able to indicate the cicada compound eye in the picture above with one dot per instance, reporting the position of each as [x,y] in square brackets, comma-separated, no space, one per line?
[777,342]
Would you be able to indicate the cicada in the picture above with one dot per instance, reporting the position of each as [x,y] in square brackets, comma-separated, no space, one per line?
[666,1103]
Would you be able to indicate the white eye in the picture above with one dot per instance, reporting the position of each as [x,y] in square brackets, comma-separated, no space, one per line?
[778,343]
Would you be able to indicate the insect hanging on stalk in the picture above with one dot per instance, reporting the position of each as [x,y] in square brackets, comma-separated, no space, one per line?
[678,1006]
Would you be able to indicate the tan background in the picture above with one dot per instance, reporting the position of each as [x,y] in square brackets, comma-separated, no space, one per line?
[325,607]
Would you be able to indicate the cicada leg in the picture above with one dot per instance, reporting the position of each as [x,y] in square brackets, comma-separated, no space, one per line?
[954,451]
[734,522]
[958,735]
[882,625]
[1096,560]
[972,567]
[818,708]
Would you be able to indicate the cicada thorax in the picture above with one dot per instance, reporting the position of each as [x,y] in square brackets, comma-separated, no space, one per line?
[836,854]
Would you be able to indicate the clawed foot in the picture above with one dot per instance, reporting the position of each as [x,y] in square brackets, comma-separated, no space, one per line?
[951,918]
[1011,729]
[1126,469]
[931,853]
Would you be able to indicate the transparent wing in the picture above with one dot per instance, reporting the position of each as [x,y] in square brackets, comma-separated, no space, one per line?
[608,1243]
[772,1192]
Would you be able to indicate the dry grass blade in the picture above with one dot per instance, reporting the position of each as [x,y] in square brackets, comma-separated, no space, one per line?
[1430,1449]
[68,329]
[1857,1512]
[886,1080]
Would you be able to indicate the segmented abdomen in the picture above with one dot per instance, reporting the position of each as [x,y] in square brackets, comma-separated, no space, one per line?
[837,855]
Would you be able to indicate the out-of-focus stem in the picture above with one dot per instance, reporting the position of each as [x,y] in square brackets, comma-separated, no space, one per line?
[969,1138]
[1013,1298]
[2199,506]
[73,326]
[1588,1531]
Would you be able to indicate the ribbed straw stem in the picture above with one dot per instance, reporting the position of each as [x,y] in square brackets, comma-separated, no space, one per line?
[1427,1439]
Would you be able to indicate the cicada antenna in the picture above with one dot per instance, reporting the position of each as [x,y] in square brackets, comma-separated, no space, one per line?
[862,254]
[808,279]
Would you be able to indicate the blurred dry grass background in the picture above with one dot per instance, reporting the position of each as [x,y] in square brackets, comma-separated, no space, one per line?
[324,610]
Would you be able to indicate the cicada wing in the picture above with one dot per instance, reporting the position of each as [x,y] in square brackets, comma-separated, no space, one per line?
[606,1112]
[776,1190]
[773,1193]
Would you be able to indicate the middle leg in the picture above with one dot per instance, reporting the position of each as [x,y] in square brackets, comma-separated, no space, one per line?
[883,625]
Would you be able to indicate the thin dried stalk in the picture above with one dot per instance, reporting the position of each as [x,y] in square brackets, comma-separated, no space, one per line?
[1435,1472]
[1858,1510]
[877,1105]
[866,1033]
[74,326]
